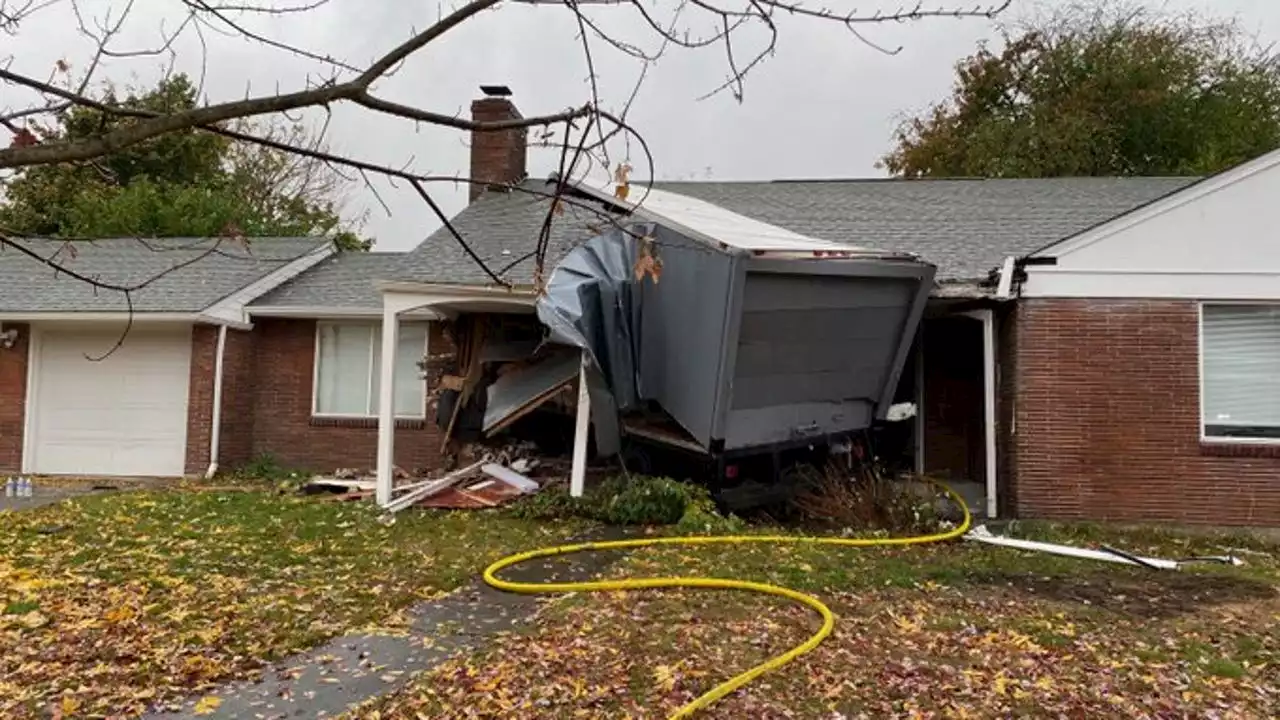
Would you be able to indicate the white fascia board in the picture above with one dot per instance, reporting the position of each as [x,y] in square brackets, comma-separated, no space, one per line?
[452,290]
[324,313]
[137,317]
[232,308]
[108,316]
[1053,282]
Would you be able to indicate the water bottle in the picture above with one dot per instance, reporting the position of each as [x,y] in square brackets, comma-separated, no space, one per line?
[26,486]
[10,487]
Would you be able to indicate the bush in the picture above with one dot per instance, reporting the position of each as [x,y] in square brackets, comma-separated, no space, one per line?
[638,500]
[266,470]
[866,500]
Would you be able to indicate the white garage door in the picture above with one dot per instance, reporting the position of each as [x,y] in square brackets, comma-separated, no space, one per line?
[124,415]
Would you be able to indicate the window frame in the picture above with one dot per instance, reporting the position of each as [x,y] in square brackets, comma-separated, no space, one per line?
[1205,437]
[375,336]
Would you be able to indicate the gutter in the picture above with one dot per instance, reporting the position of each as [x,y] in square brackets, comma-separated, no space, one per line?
[326,311]
[215,432]
[1105,554]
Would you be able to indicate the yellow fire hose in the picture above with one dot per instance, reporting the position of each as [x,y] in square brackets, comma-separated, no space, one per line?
[716,693]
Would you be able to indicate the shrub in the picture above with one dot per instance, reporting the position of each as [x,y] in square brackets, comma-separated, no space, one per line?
[266,470]
[866,500]
[637,500]
[643,501]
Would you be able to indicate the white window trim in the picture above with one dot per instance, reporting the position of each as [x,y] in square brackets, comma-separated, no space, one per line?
[1206,438]
[373,371]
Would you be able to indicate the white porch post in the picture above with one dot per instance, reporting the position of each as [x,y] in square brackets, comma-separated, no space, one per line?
[578,472]
[989,390]
[387,398]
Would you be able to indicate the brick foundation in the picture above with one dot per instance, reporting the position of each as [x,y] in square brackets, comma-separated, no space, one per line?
[13,399]
[1107,420]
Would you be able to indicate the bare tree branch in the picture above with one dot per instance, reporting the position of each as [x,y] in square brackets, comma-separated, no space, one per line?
[584,134]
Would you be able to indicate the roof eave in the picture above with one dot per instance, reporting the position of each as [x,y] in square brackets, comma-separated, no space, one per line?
[234,306]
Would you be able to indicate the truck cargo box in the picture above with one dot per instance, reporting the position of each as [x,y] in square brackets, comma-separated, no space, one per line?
[746,334]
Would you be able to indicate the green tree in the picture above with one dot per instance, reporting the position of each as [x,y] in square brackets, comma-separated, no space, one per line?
[1100,90]
[185,183]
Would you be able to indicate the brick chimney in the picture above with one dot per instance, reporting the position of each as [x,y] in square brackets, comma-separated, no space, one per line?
[497,157]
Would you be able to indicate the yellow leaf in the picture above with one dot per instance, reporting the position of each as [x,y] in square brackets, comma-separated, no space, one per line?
[622,173]
[906,624]
[665,677]
[33,619]
[207,704]
[69,706]
[119,615]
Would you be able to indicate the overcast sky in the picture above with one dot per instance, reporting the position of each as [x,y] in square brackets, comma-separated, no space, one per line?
[823,106]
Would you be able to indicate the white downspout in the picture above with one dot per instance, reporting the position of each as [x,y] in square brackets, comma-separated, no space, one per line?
[215,432]
[989,390]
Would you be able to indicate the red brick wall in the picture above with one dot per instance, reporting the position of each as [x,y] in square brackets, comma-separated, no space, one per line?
[1107,420]
[204,343]
[496,157]
[238,388]
[1007,324]
[284,359]
[13,399]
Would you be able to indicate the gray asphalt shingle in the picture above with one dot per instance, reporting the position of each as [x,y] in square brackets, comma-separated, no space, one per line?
[345,280]
[181,285]
[966,227]
[502,228]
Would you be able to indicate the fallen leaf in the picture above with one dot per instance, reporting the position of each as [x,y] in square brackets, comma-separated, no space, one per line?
[207,704]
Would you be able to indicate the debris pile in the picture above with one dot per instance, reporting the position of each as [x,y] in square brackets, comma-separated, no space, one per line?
[490,476]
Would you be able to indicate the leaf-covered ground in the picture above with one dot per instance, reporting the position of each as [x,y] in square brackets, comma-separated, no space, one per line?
[955,631]
[109,603]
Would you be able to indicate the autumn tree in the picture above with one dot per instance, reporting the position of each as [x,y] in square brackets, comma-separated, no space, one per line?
[186,183]
[1108,89]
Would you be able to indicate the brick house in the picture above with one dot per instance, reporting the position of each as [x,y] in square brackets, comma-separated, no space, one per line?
[1087,352]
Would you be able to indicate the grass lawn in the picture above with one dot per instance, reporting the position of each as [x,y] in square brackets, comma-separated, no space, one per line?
[954,631]
[109,603]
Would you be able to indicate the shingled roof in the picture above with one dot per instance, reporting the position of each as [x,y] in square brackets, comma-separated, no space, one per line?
[345,281]
[965,227]
[190,273]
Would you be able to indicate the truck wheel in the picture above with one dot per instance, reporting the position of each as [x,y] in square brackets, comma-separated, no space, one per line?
[636,460]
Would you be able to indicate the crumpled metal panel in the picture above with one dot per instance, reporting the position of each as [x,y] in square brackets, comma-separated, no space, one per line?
[592,302]
[520,390]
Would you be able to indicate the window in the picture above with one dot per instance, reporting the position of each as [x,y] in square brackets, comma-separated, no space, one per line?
[1241,371]
[348,358]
